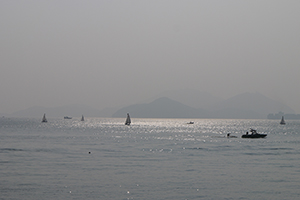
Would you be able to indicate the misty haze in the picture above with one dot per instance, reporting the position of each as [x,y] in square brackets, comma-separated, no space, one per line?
[111,54]
[145,99]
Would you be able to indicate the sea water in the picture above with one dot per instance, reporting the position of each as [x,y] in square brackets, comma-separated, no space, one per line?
[150,159]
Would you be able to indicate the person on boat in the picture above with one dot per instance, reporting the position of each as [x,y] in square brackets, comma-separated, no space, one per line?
[228,134]
[247,133]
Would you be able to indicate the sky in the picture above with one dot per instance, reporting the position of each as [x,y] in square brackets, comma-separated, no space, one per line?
[111,53]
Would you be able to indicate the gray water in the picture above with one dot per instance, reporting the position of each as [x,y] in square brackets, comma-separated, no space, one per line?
[151,159]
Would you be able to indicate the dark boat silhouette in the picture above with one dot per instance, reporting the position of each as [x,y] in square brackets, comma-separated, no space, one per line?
[44,118]
[253,134]
[128,120]
[282,122]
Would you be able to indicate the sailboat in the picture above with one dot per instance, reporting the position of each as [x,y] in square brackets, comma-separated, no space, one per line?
[128,120]
[282,122]
[44,118]
[82,118]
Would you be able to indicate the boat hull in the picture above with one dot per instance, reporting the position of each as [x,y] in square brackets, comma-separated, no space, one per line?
[254,136]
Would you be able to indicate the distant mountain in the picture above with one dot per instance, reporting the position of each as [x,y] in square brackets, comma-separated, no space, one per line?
[109,111]
[163,107]
[192,98]
[242,106]
[69,110]
[248,106]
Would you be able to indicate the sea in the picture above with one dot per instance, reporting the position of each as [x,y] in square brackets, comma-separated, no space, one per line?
[101,158]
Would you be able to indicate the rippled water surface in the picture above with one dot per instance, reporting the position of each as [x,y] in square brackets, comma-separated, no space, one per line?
[151,159]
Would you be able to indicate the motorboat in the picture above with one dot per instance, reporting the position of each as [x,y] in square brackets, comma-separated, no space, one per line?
[253,134]
[190,122]
[66,117]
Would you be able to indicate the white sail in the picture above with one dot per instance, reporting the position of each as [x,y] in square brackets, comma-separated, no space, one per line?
[282,121]
[128,120]
[82,118]
[44,118]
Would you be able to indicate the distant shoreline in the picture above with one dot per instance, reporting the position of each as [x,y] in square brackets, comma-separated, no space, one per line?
[286,116]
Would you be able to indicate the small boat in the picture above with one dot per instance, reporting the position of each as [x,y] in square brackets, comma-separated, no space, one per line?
[128,120]
[282,122]
[44,118]
[66,117]
[230,136]
[253,134]
[82,118]
[190,122]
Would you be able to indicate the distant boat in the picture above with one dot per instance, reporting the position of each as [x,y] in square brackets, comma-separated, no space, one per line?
[190,122]
[230,136]
[66,117]
[82,118]
[128,120]
[44,118]
[282,122]
[254,134]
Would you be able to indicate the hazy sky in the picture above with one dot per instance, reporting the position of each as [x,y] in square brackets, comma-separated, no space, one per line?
[111,53]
